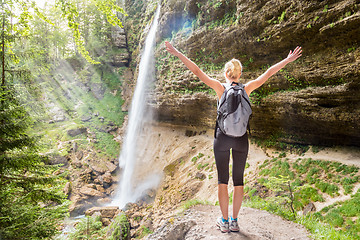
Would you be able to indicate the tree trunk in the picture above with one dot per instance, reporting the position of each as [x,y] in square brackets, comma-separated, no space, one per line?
[3,51]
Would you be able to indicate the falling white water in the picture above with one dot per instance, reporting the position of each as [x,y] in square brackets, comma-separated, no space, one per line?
[128,157]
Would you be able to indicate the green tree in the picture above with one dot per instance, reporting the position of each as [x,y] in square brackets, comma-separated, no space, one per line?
[31,197]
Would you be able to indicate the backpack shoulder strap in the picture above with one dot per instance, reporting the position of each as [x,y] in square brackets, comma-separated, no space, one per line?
[226,86]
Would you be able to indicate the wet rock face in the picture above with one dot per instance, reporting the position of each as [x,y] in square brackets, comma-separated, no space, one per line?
[321,116]
[315,100]
[196,109]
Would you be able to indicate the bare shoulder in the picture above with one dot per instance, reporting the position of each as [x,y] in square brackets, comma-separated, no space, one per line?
[218,87]
[248,87]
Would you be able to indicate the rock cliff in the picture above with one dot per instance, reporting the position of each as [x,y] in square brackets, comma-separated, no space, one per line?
[315,100]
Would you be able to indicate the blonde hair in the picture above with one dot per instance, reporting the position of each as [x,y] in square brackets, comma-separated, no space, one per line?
[233,69]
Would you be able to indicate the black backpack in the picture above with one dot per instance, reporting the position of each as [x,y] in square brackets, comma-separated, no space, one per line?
[234,110]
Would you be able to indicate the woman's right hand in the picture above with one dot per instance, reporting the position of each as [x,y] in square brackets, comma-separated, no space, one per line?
[171,49]
[293,55]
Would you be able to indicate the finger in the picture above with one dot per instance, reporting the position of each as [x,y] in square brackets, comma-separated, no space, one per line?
[297,49]
[298,52]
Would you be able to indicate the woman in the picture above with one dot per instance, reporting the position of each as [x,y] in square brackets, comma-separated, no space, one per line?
[222,142]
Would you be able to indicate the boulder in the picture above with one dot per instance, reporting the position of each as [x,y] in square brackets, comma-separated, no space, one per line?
[57,113]
[76,163]
[200,175]
[98,167]
[112,167]
[79,155]
[98,90]
[67,188]
[55,159]
[105,221]
[86,118]
[74,147]
[107,177]
[177,230]
[106,212]
[76,131]
[89,191]
[309,208]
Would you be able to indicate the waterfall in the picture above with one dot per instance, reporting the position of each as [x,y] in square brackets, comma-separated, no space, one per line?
[128,192]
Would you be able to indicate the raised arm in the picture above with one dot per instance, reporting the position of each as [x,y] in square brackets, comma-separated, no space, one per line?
[213,83]
[292,56]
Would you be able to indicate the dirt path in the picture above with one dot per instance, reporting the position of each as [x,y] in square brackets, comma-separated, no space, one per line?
[199,223]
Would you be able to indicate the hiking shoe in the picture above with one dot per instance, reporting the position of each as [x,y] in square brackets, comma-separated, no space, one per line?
[223,226]
[234,226]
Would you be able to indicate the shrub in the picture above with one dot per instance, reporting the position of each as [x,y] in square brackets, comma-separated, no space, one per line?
[334,218]
[118,229]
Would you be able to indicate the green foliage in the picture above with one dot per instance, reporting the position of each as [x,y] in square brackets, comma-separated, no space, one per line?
[322,231]
[334,218]
[87,227]
[31,197]
[270,205]
[348,183]
[144,231]
[328,188]
[281,168]
[310,179]
[68,11]
[305,195]
[120,228]
[282,16]
[352,49]
[351,207]
[325,8]
[36,47]
[193,202]
[313,222]
[279,19]
[229,18]
[195,158]
[282,185]
[202,166]
[71,13]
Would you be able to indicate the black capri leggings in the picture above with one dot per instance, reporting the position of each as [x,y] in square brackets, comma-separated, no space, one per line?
[240,149]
